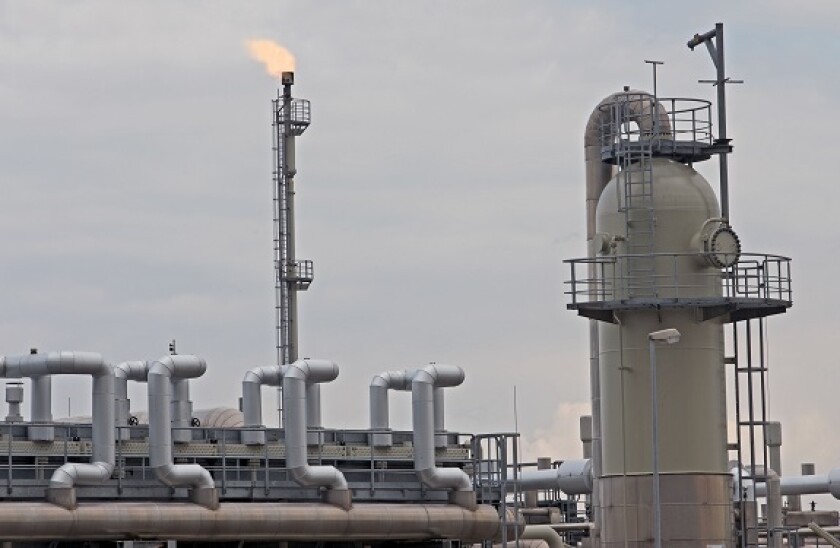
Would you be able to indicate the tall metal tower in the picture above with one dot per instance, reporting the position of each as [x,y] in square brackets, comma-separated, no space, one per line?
[290,118]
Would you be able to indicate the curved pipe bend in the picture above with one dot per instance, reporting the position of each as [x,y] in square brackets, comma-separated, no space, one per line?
[103,401]
[161,375]
[298,376]
[423,383]
[271,375]
[175,475]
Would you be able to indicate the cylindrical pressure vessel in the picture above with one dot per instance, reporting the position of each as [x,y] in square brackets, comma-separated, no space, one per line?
[695,484]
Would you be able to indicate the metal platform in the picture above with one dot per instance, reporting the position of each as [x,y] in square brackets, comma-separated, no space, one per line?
[675,128]
[757,285]
[241,472]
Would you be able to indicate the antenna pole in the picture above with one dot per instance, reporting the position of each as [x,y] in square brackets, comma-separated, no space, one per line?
[714,43]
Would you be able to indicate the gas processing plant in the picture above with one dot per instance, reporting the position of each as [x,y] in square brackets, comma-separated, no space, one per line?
[672,301]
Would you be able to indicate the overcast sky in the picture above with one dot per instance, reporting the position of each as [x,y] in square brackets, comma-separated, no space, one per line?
[440,187]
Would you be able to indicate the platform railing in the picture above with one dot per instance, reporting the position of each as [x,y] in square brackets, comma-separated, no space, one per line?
[638,117]
[679,276]
[234,467]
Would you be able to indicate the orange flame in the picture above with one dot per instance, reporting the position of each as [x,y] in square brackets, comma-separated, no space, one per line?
[272,55]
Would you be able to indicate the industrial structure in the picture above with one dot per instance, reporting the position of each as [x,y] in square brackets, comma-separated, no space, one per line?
[672,301]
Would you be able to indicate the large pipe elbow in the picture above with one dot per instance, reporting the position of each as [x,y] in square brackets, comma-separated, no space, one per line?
[423,385]
[71,474]
[161,374]
[184,475]
[445,478]
[297,378]
[271,375]
[439,375]
[179,366]
[313,371]
[573,477]
[319,476]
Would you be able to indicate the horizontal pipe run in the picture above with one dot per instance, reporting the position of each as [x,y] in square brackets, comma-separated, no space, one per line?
[573,477]
[33,521]
[806,485]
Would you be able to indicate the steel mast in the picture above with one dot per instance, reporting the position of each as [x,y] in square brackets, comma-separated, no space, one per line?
[290,118]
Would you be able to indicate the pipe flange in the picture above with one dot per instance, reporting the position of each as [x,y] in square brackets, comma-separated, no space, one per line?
[723,247]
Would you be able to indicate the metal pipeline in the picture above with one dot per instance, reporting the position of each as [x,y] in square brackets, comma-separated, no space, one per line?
[43,366]
[806,485]
[182,406]
[544,533]
[123,372]
[296,378]
[254,380]
[379,412]
[423,383]
[161,375]
[32,521]
[272,375]
[573,477]
[379,408]
[41,408]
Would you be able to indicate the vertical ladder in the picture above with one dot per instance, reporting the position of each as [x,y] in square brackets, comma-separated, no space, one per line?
[751,420]
[634,157]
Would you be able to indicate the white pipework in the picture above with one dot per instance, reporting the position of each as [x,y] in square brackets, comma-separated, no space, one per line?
[573,477]
[40,408]
[42,366]
[296,378]
[272,375]
[254,380]
[123,372]
[806,485]
[423,383]
[379,411]
[160,379]
[182,406]
[379,407]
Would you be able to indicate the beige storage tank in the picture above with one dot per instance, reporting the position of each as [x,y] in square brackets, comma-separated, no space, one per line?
[695,484]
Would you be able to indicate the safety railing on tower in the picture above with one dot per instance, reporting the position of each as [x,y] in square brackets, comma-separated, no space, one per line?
[677,276]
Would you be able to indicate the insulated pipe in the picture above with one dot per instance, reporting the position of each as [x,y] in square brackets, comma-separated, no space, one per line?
[182,406]
[254,380]
[440,413]
[247,521]
[806,485]
[379,408]
[573,477]
[297,377]
[182,411]
[124,372]
[160,380]
[41,408]
[423,383]
[545,533]
[42,366]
